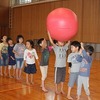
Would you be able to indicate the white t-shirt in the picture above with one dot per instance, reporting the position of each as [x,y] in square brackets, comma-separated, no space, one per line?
[72,58]
[61,55]
[30,56]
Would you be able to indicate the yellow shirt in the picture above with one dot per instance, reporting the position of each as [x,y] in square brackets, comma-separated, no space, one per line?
[3,48]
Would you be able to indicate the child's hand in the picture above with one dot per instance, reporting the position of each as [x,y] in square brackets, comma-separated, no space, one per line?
[68,43]
[25,64]
[82,45]
[83,69]
[80,51]
[1,57]
[16,54]
[69,71]
[12,58]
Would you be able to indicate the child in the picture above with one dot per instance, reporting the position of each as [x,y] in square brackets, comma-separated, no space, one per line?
[12,62]
[60,63]
[19,49]
[84,72]
[3,55]
[29,60]
[74,60]
[44,61]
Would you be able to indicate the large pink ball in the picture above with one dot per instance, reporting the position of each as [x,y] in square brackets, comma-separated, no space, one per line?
[62,24]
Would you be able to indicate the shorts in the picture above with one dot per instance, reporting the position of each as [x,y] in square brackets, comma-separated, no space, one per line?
[19,63]
[4,60]
[11,61]
[73,78]
[60,74]
[30,69]
[1,62]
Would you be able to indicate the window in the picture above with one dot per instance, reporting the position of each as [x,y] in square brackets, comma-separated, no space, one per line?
[24,1]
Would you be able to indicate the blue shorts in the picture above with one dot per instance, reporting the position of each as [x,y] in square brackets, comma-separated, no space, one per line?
[73,78]
[19,63]
[1,62]
[4,60]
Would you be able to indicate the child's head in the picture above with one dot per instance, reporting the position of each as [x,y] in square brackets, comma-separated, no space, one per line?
[20,39]
[89,49]
[42,42]
[9,41]
[29,44]
[4,38]
[59,43]
[75,46]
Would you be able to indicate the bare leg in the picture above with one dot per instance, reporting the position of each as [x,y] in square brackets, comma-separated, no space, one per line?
[27,79]
[68,95]
[89,98]
[14,70]
[1,71]
[17,73]
[62,91]
[32,79]
[56,88]
[9,74]
[43,86]
[78,97]
[20,73]
[5,70]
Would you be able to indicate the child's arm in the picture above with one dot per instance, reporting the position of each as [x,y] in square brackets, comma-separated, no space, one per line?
[84,53]
[36,56]
[38,62]
[12,58]
[0,55]
[0,51]
[51,41]
[68,43]
[79,58]
[25,63]
[69,69]
[15,52]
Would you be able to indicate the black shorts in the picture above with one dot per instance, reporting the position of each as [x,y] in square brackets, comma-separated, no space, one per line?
[60,74]
[30,69]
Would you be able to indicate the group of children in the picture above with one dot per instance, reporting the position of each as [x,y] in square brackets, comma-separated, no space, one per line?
[19,55]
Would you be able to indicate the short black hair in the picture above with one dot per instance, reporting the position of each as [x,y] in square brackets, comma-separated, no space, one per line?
[55,41]
[76,44]
[31,43]
[8,39]
[18,37]
[89,49]
[40,41]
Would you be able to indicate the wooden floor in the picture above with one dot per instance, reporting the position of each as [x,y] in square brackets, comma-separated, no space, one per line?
[10,89]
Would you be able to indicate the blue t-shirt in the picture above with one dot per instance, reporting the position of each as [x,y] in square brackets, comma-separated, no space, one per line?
[86,64]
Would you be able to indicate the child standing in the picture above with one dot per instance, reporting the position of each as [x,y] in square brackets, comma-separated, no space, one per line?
[11,62]
[44,61]
[60,63]
[29,59]
[19,49]
[74,60]
[84,73]
[3,55]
